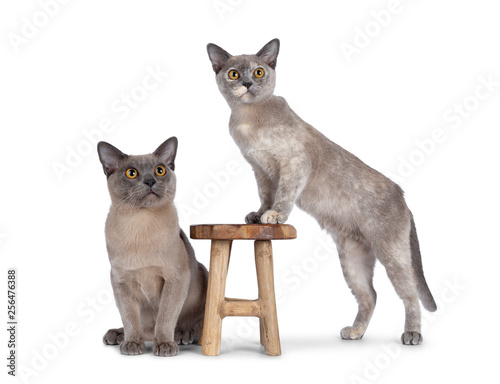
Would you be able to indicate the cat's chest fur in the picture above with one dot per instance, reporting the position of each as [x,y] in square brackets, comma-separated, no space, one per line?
[267,133]
[143,238]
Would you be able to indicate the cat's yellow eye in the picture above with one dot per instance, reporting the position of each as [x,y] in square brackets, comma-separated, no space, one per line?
[258,73]
[131,173]
[160,170]
[233,75]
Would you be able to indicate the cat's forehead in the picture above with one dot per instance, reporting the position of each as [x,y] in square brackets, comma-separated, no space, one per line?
[142,161]
[245,62]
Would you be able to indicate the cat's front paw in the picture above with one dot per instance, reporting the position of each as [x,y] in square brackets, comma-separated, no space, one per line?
[411,338]
[273,217]
[132,348]
[114,336]
[253,218]
[350,333]
[168,348]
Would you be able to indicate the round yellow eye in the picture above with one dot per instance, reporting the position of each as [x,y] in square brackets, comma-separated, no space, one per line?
[233,75]
[160,170]
[131,173]
[259,72]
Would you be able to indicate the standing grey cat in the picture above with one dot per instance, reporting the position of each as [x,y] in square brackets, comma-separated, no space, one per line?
[159,286]
[364,212]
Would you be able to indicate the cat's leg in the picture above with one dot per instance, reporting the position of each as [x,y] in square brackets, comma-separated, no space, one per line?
[190,320]
[267,189]
[172,299]
[396,259]
[148,318]
[357,265]
[133,341]
[292,180]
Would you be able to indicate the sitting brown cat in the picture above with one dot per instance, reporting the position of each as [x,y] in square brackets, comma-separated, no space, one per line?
[159,287]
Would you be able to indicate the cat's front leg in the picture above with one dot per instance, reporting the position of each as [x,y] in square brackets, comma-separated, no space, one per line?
[133,341]
[292,180]
[172,299]
[267,190]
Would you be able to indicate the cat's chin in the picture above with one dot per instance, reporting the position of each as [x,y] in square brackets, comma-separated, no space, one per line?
[151,200]
[247,97]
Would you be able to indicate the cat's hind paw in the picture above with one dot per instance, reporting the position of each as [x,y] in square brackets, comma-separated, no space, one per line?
[253,218]
[165,349]
[411,338]
[184,337]
[273,217]
[350,333]
[132,348]
[113,336]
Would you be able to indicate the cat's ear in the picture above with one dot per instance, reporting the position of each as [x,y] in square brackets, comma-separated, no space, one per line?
[269,53]
[167,152]
[217,56]
[110,157]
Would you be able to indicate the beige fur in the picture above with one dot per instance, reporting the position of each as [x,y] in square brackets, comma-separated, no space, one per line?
[294,164]
[159,286]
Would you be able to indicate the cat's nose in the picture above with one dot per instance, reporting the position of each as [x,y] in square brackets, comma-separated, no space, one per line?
[248,85]
[149,181]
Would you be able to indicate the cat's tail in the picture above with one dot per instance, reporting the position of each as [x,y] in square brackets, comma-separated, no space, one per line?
[424,292]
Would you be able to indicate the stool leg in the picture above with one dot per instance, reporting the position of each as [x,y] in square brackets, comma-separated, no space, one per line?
[265,278]
[261,329]
[212,324]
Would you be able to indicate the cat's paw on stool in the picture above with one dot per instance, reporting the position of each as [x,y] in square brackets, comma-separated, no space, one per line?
[253,218]
[273,217]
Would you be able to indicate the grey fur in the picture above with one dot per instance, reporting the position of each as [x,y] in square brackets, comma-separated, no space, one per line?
[364,211]
[159,286]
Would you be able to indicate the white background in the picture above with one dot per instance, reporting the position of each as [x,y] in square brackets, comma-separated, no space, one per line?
[396,90]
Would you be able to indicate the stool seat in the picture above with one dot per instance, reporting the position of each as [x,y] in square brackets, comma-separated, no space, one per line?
[217,306]
[243,232]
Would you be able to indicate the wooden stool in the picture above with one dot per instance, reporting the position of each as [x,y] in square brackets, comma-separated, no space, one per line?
[218,306]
